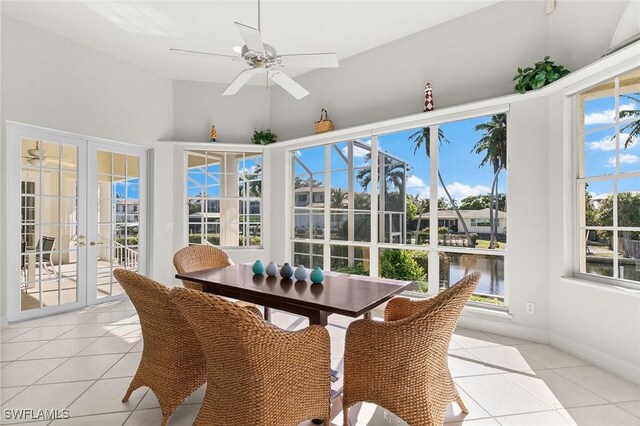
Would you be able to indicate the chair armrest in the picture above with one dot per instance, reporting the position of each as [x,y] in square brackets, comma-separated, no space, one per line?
[401,307]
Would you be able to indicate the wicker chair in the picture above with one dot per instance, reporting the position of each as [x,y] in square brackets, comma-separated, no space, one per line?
[172,363]
[199,258]
[257,374]
[401,364]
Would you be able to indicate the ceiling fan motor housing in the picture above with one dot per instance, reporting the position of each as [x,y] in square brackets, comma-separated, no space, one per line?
[258,60]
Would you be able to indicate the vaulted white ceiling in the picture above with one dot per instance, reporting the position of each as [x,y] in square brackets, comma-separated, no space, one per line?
[141,33]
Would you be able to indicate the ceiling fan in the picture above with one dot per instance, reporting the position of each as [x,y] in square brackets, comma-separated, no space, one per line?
[36,157]
[263,59]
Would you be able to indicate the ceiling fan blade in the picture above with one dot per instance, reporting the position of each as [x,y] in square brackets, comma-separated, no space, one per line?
[199,54]
[288,84]
[238,82]
[312,60]
[251,37]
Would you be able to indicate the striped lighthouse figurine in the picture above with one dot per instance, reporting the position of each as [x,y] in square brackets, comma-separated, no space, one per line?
[214,134]
[428,97]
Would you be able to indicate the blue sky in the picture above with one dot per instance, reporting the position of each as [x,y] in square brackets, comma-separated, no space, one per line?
[458,166]
[599,148]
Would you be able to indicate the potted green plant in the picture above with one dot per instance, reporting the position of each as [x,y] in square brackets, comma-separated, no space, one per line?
[263,137]
[541,74]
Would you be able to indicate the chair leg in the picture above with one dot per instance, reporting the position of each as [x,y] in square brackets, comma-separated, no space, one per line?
[461,404]
[132,387]
[345,412]
[165,418]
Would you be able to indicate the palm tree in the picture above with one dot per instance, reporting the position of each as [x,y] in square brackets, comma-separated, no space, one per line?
[255,185]
[394,173]
[634,126]
[421,138]
[337,198]
[493,144]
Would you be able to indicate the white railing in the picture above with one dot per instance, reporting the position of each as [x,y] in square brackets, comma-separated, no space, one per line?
[127,257]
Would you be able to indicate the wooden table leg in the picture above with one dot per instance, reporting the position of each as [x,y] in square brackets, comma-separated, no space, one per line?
[368,315]
[319,318]
[267,314]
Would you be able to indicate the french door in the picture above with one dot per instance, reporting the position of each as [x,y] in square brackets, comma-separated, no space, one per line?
[76,210]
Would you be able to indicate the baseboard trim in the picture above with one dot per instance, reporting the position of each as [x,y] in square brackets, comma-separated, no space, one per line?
[626,370]
[475,321]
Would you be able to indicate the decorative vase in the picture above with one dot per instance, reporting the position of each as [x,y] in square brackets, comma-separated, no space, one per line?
[258,268]
[272,269]
[286,271]
[300,273]
[316,275]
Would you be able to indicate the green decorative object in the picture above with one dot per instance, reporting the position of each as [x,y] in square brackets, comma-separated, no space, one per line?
[317,276]
[258,268]
[263,137]
[541,74]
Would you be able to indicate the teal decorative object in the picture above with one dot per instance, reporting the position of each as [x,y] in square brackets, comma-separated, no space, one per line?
[317,276]
[301,273]
[258,268]
[286,271]
[272,269]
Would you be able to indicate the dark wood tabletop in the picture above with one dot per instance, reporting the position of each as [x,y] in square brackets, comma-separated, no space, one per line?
[344,294]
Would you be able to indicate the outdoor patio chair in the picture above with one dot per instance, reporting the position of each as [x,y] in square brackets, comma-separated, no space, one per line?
[172,363]
[401,363]
[44,258]
[258,374]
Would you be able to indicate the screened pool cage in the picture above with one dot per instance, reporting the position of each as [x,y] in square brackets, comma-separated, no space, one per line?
[347,187]
[223,197]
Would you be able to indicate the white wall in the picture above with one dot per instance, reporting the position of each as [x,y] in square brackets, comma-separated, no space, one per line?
[198,105]
[52,82]
[470,58]
[600,323]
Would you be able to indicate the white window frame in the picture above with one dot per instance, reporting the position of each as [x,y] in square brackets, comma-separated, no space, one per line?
[373,131]
[226,148]
[578,136]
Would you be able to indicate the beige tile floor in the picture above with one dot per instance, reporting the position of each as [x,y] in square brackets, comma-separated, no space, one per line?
[84,360]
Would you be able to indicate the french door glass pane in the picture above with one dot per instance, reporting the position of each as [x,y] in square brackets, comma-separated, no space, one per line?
[48,209]
[118,218]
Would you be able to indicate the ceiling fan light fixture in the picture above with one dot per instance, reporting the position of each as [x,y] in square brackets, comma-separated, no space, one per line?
[237,49]
[35,161]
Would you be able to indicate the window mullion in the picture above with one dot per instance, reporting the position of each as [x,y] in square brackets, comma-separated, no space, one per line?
[434,262]
[374,252]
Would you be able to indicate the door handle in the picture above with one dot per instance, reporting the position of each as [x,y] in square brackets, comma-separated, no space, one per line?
[81,239]
[93,243]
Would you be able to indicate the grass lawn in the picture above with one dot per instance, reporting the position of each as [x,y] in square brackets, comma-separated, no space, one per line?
[484,244]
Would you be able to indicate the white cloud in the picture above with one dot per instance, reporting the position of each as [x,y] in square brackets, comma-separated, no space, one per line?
[624,159]
[357,151]
[459,191]
[298,153]
[416,186]
[608,143]
[604,117]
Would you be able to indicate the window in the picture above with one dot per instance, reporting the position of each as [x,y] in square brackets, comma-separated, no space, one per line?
[224,198]
[608,182]
[370,211]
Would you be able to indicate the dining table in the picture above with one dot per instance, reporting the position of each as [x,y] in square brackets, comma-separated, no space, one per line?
[339,293]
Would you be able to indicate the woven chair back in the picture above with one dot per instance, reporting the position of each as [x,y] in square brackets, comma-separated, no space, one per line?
[198,258]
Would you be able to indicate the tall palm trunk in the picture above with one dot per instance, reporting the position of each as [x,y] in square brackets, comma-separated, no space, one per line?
[455,208]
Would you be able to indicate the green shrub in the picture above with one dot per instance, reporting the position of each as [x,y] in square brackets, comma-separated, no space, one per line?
[474,238]
[131,241]
[357,269]
[400,265]
[443,230]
